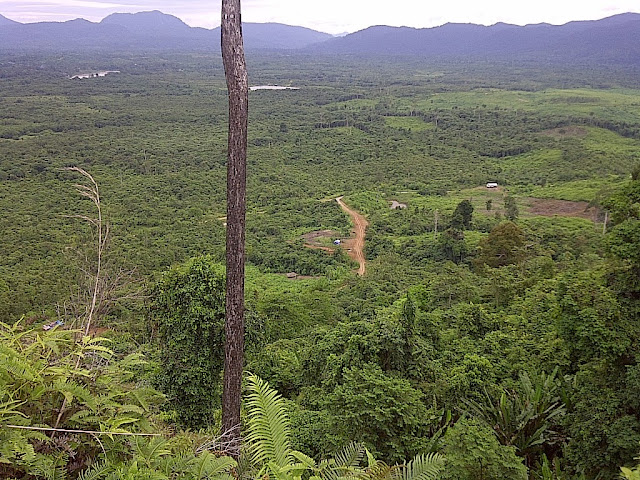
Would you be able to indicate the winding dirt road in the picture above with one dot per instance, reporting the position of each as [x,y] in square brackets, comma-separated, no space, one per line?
[357,243]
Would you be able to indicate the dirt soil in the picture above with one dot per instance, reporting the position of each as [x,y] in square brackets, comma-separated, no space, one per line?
[312,238]
[355,244]
[549,207]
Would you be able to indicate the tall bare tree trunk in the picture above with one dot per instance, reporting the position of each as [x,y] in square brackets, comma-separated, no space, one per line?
[235,69]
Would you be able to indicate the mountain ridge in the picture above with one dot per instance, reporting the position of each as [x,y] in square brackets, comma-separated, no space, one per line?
[151,30]
[7,21]
[615,38]
[611,39]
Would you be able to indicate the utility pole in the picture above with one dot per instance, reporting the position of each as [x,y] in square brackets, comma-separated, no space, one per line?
[235,70]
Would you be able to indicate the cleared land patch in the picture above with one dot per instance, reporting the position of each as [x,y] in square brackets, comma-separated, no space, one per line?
[320,240]
[354,245]
[548,207]
[566,132]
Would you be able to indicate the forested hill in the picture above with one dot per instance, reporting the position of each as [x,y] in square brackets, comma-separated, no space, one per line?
[610,39]
[613,40]
[145,31]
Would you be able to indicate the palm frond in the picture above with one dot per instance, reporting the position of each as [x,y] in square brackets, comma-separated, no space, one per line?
[268,424]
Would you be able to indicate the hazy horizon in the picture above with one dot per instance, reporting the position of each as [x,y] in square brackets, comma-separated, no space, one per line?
[330,16]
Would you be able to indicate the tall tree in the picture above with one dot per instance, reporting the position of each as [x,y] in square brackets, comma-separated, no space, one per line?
[235,69]
[510,208]
[462,216]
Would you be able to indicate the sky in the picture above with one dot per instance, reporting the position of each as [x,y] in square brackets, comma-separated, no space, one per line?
[331,16]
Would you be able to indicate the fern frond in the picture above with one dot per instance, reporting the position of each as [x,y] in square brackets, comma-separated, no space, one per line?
[422,467]
[345,462]
[381,471]
[145,397]
[57,473]
[8,410]
[303,458]
[96,471]
[207,465]
[86,416]
[72,390]
[371,460]
[175,465]
[150,450]
[268,424]
[351,455]
[115,425]
[130,409]
[17,367]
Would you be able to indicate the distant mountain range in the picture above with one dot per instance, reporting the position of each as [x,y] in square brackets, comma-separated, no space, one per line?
[145,31]
[614,40]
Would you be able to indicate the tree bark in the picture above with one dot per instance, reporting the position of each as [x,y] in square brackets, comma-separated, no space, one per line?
[237,85]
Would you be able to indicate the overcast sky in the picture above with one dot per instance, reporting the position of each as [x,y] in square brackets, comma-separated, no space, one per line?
[331,16]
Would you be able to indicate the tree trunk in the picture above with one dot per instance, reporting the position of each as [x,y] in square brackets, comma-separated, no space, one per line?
[237,85]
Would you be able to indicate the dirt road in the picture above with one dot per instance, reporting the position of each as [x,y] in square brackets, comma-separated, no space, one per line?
[357,243]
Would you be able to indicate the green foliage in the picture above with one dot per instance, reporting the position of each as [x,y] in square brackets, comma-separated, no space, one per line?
[384,412]
[270,450]
[187,311]
[629,473]
[511,211]
[603,429]
[447,285]
[624,204]
[598,318]
[312,431]
[471,374]
[451,246]
[503,246]
[51,379]
[589,318]
[280,362]
[268,440]
[578,190]
[421,467]
[462,215]
[268,425]
[421,321]
[473,453]
[624,238]
[162,459]
[528,417]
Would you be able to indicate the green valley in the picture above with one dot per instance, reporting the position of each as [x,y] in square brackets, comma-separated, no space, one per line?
[494,335]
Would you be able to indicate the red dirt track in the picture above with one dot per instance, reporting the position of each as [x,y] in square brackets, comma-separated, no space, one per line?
[356,244]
